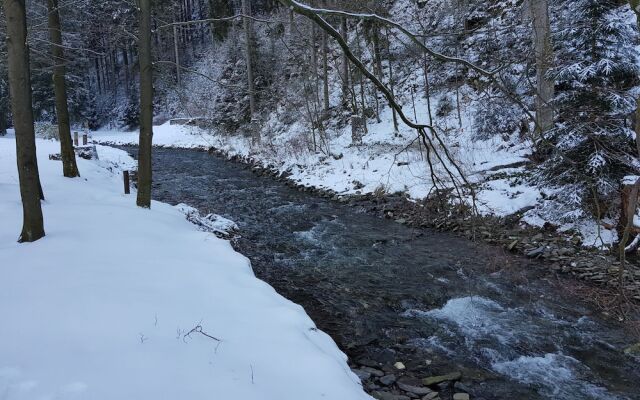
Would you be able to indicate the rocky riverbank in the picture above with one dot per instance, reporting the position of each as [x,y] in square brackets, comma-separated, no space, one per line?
[561,252]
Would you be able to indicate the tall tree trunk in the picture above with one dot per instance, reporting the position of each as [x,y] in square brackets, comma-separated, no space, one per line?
[248,31]
[544,61]
[98,78]
[3,117]
[176,54]
[377,67]
[20,88]
[325,71]
[146,106]
[125,60]
[345,63]
[69,166]
[391,80]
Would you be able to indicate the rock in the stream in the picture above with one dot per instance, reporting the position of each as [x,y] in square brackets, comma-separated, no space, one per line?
[399,365]
[388,379]
[434,380]
[461,396]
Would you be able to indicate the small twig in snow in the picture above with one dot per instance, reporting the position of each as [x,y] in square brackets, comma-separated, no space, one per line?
[198,329]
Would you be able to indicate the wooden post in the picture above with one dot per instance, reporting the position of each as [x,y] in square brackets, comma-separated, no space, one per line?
[75,138]
[127,186]
[84,139]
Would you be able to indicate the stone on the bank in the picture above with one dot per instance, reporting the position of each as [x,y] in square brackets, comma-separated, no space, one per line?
[432,396]
[434,380]
[363,375]
[633,350]
[388,379]
[389,396]
[461,396]
[373,371]
[399,365]
[412,386]
[536,252]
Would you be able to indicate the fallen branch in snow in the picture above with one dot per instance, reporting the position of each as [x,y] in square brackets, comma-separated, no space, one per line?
[633,245]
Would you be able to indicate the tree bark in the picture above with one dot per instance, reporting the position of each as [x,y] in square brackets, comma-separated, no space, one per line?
[544,60]
[69,166]
[3,117]
[246,9]
[345,63]
[176,53]
[391,80]
[20,89]
[248,31]
[125,60]
[146,106]
[325,71]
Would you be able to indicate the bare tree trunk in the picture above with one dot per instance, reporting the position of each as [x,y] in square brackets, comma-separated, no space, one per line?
[3,117]
[146,106]
[345,63]
[127,72]
[325,71]
[69,166]
[20,88]
[544,61]
[98,78]
[248,31]
[176,53]
[427,88]
[377,65]
[391,83]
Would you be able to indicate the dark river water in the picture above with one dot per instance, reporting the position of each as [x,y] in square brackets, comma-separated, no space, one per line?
[387,292]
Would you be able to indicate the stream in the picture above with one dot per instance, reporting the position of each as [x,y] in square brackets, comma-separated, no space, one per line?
[387,292]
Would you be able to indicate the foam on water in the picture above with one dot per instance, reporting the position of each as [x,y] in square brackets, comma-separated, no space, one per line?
[512,342]
[554,374]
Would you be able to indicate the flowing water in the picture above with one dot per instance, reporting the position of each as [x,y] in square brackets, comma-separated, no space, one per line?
[387,292]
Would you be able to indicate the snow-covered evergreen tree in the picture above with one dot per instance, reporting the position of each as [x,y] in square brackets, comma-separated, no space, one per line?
[596,72]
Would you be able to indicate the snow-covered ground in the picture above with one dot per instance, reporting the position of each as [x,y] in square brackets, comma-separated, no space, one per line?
[118,302]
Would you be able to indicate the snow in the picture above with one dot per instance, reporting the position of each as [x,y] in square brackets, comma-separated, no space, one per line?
[102,307]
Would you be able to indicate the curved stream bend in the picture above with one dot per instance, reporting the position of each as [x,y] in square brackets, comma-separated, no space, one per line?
[388,293]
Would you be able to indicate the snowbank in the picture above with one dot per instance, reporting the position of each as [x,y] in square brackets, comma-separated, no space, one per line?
[103,306]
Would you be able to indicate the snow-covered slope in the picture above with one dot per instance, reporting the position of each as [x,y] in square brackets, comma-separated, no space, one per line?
[117,302]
